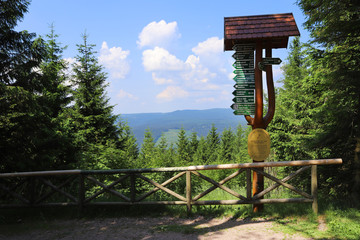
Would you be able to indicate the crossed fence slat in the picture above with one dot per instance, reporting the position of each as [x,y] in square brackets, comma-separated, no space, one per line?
[15,195]
[89,175]
[288,178]
[57,189]
[107,188]
[145,195]
[218,185]
[228,178]
[178,196]
[47,195]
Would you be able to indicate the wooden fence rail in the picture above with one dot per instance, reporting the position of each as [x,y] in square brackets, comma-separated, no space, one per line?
[134,187]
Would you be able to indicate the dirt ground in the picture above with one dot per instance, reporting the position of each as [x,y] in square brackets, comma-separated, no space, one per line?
[155,228]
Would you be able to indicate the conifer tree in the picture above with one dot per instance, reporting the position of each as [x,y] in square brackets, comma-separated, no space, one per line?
[201,156]
[56,91]
[183,149]
[212,144]
[335,55]
[240,146]
[92,119]
[291,126]
[226,147]
[164,156]
[193,144]
[147,151]
[24,128]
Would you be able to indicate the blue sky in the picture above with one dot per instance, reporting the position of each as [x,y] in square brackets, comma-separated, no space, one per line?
[160,56]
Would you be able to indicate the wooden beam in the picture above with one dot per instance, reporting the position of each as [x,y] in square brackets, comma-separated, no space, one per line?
[288,178]
[55,188]
[259,201]
[226,189]
[178,169]
[304,194]
[314,188]
[106,188]
[145,195]
[270,87]
[163,188]
[188,192]
[228,178]
[43,197]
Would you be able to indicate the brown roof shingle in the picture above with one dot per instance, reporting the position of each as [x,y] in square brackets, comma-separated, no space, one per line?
[274,28]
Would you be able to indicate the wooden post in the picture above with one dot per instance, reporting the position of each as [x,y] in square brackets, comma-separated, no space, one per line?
[31,188]
[81,196]
[188,192]
[132,187]
[248,183]
[314,188]
[258,119]
[258,179]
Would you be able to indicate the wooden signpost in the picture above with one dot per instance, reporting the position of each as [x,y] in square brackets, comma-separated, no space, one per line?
[244,35]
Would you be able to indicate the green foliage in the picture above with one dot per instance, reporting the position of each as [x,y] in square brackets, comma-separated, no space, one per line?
[183,156]
[93,119]
[344,224]
[318,106]
[147,152]
[31,137]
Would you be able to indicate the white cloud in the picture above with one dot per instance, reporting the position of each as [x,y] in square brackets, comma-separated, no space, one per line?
[115,60]
[197,75]
[201,79]
[160,80]
[123,94]
[212,45]
[206,100]
[69,60]
[171,93]
[277,72]
[69,71]
[158,34]
[159,59]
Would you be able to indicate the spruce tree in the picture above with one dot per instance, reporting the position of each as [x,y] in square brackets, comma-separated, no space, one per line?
[92,119]
[147,151]
[53,70]
[240,146]
[24,121]
[291,127]
[335,55]
[226,147]
[182,149]
[201,156]
[212,144]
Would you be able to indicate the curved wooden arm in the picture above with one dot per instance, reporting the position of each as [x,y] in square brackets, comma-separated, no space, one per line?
[249,119]
[271,91]
[258,118]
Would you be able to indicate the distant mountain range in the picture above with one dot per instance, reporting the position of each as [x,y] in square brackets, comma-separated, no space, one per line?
[199,121]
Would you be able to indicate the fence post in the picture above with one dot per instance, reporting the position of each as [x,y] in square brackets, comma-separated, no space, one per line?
[132,187]
[248,183]
[314,188]
[81,197]
[32,182]
[188,192]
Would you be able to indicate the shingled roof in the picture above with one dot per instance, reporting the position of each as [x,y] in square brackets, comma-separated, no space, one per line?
[274,28]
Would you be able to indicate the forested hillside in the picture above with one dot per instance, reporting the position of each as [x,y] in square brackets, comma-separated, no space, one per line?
[52,118]
[199,121]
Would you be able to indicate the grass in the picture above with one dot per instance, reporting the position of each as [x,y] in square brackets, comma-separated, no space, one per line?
[185,229]
[332,224]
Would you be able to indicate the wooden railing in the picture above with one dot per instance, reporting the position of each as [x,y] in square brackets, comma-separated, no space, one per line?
[126,186]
